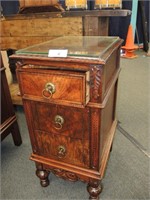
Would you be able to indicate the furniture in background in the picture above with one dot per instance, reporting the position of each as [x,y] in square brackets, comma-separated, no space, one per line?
[22,30]
[13,87]
[34,5]
[9,123]
[70,106]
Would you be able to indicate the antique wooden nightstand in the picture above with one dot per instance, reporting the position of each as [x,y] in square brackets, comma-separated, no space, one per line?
[70,106]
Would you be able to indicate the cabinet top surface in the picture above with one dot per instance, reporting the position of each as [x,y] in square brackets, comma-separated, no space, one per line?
[89,47]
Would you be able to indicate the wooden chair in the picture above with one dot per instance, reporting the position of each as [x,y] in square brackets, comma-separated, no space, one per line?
[8,123]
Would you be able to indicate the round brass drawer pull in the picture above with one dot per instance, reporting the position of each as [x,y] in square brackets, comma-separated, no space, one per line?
[50,89]
[61,151]
[59,121]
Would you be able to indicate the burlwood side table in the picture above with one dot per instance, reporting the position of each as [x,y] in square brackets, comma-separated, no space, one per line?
[70,106]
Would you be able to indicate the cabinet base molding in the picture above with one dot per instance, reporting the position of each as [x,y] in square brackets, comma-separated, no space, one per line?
[52,165]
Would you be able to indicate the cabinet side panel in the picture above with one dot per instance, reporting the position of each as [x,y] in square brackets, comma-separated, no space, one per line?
[107,118]
[110,69]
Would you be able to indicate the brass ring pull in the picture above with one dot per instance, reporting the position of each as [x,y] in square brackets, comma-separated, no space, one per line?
[44,92]
[49,89]
[59,121]
[61,151]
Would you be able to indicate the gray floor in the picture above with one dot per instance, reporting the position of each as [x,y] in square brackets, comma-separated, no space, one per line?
[128,173]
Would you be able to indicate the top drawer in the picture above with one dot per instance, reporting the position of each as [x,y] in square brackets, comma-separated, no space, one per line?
[55,86]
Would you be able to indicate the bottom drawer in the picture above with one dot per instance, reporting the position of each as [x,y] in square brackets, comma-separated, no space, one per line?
[66,149]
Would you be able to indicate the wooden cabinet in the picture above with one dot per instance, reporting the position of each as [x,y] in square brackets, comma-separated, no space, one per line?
[70,106]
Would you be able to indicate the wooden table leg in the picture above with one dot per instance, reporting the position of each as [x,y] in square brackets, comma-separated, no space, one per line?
[94,188]
[16,134]
[95,26]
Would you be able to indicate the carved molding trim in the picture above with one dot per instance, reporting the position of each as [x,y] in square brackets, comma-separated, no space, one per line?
[65,174]
[95,77]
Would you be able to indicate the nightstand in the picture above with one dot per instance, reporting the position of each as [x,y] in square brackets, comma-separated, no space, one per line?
[70,106]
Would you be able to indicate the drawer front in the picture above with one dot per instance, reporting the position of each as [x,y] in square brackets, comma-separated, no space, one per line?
[65,138]
[55,85]
[62,148]
[61,120]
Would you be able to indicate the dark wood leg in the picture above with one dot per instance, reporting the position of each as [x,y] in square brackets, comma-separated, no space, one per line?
[16,134]
[94,188]
[43,176]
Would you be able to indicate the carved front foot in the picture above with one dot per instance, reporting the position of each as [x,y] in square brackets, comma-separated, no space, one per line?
[43,175]
[94,188]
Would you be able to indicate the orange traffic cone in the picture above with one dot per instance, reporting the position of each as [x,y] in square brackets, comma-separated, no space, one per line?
[129,46]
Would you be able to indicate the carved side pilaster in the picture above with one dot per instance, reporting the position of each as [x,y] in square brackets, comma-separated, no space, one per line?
[94,140]
[95,80]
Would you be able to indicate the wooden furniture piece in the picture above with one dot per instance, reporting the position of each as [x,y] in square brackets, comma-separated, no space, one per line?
[9,123]
[13,86]
[15,94]
[108,4]
[70,106]
[39,3]
[22,30]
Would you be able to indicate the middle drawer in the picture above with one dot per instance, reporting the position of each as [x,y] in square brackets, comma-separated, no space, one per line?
[61,120]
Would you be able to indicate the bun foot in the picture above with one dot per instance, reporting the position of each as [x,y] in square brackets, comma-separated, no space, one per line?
[94,188]
[43,176]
